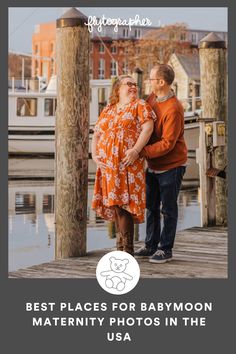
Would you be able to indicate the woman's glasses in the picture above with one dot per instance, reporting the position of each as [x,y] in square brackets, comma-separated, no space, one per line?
[130,84]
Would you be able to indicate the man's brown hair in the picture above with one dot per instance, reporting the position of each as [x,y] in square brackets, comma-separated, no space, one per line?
[165,72]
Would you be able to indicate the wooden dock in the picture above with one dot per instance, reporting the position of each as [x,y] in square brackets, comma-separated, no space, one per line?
[198,253]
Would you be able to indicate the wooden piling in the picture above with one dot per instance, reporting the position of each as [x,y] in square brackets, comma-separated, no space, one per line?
[207,185]
[212,51]
[72,134]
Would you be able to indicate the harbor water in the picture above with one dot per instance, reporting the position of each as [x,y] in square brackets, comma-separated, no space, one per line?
[31,216]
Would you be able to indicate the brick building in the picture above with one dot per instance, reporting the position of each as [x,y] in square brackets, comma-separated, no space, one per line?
[108,57]
[43,50]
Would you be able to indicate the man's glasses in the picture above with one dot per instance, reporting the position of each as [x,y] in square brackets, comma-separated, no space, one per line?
[130,84]
[155,79]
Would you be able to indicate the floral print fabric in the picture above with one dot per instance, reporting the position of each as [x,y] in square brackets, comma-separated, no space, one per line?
[118,184]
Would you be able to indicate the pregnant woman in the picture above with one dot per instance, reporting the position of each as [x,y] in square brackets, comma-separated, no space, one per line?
[122,130]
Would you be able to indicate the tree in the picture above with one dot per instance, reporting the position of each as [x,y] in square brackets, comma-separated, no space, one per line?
[156,46]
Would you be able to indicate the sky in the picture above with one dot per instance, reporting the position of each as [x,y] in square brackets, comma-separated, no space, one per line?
[22,20]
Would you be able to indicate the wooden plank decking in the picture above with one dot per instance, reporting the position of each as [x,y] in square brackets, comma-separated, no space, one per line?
[198,253]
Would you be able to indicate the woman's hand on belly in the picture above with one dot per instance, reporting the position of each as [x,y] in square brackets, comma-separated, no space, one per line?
[131,155]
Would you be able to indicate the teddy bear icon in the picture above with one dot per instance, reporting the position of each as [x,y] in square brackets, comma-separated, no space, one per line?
[116,277]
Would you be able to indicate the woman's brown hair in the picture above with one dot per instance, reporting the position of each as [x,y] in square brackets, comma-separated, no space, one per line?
[114,97]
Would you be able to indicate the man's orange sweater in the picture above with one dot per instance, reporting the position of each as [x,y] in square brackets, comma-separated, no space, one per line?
[166,148]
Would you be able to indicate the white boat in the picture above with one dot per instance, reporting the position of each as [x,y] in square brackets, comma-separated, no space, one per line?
[31,125]
[31,122]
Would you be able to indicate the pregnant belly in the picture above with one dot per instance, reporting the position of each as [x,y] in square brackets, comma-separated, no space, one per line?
[114,148]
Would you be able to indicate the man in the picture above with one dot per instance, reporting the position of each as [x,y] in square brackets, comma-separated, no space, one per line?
[166,155]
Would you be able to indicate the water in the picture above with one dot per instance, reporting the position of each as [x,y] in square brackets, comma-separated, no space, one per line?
[32,228]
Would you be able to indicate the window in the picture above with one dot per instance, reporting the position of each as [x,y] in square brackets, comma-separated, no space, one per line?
[113,68]
[183,36]
[25,203]
[114,49]
[197,90]
[52,66]
[48,204]
[101,48]
[125,67]
[50,105]
[101,69]
[137,33]
[26,107]
[194,89]
[125,32]
[194,38]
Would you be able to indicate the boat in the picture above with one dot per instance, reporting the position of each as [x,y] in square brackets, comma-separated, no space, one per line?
[31,124]
[31,121]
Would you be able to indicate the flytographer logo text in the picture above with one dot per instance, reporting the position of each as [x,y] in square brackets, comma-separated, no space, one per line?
[93,21]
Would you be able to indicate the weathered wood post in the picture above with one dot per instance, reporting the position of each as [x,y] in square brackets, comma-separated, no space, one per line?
[72,134]
[212,51]
[207,184]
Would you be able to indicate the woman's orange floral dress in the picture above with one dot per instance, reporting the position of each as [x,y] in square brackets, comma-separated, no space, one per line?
[118,184]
